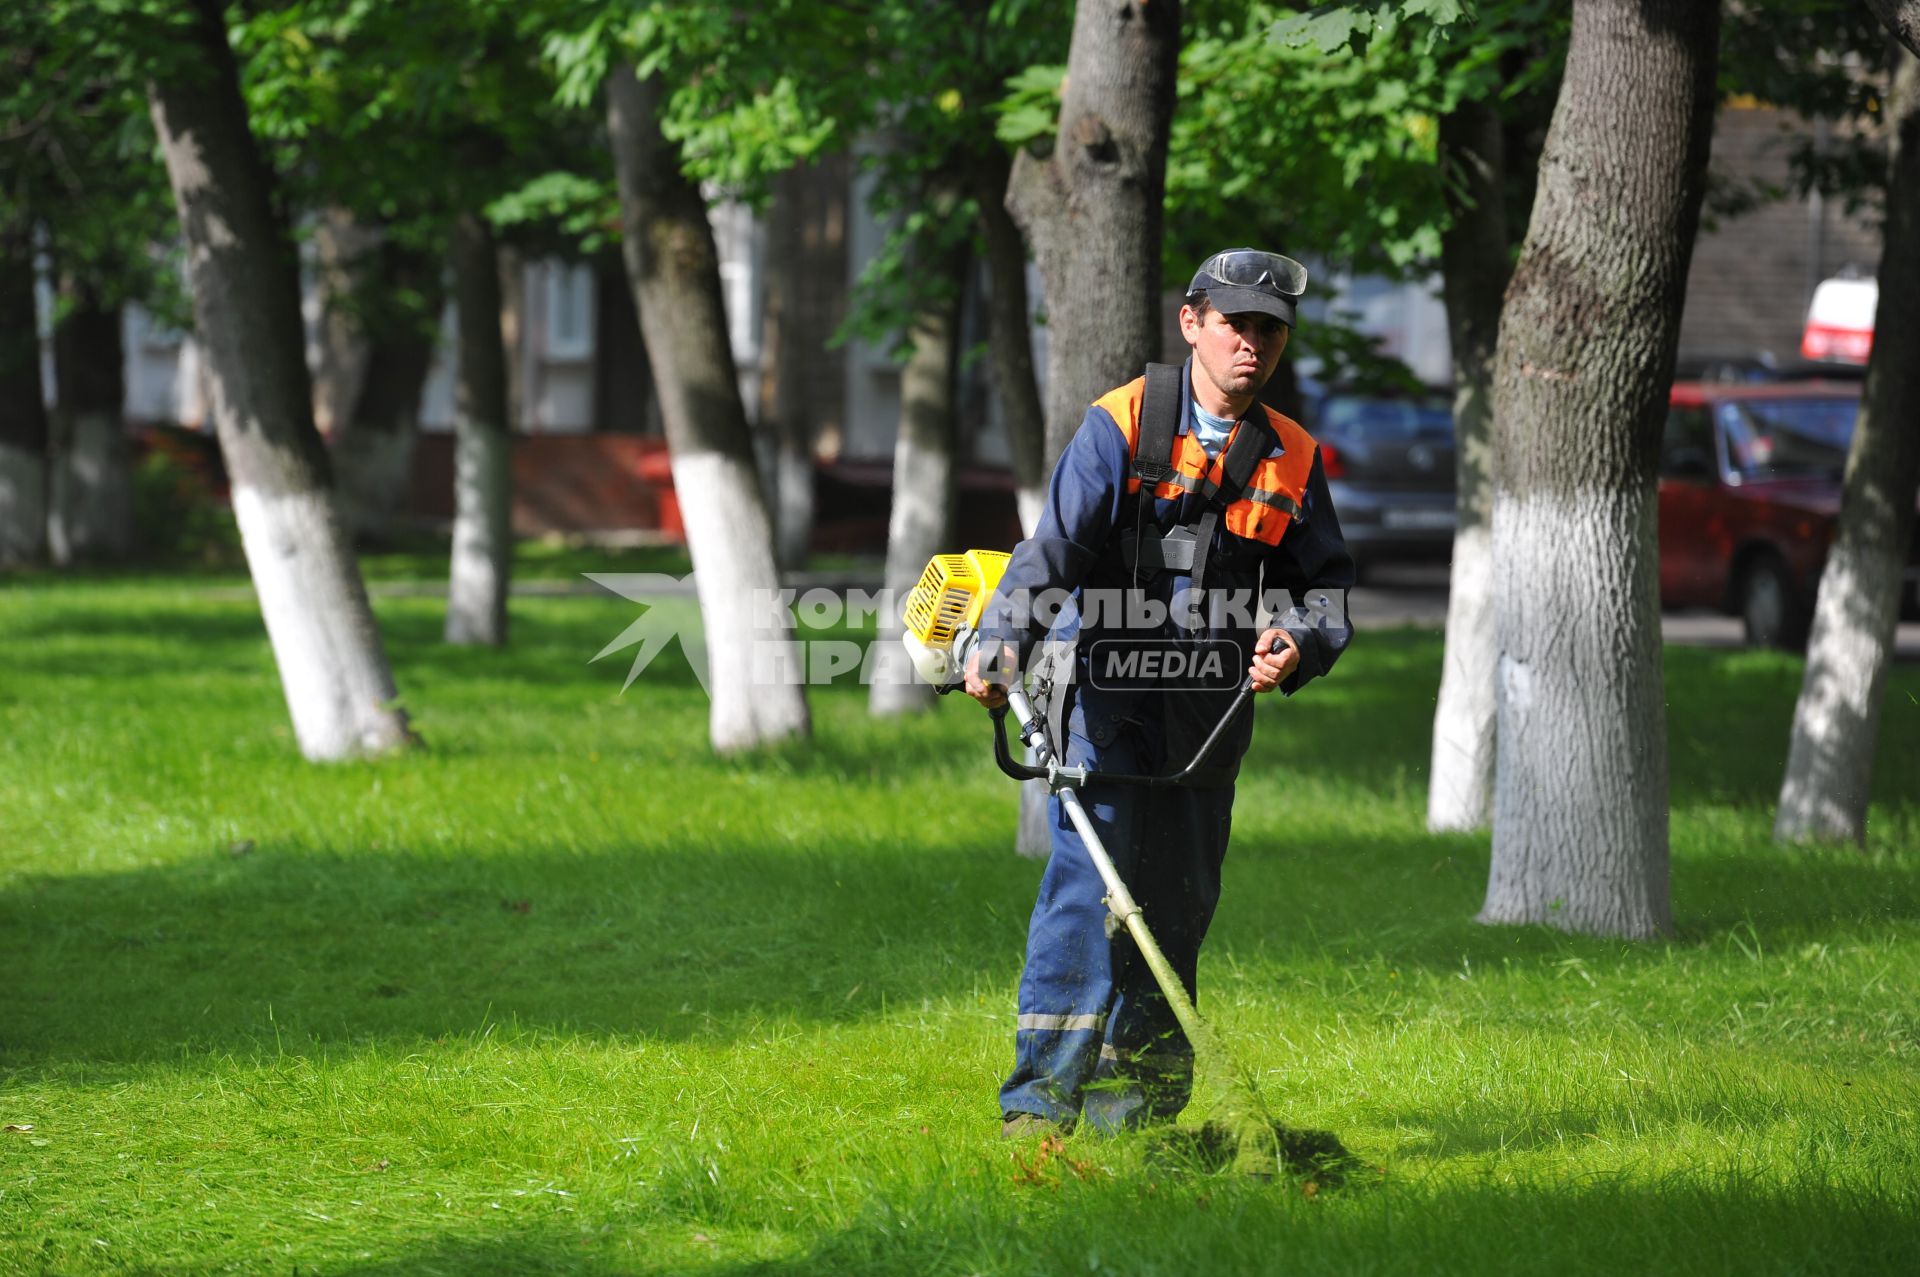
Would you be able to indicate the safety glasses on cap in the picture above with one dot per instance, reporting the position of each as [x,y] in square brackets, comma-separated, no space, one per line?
[1251,268]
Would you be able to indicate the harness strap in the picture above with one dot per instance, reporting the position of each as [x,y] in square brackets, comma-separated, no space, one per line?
[1159,422]
[1184,549]
[1250,443]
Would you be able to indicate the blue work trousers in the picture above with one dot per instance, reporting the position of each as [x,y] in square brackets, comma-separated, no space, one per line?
[1095,1034]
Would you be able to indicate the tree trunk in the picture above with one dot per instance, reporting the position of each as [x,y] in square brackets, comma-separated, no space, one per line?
[1473,262]
[675,272]
[622,382]
[246,302]
[1585,358]
[1092,210]
[785,423]
[344,250]
[92,468]
[1836,723]
[1902,18]
[920,523]
[373,450]
[483,449]
[513,321]
[23,406]
[1010,337]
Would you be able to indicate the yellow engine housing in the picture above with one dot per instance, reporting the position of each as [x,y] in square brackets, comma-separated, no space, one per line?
[951,594]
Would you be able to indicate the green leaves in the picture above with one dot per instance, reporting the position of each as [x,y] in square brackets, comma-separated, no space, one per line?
[1332,27]
[1030,111]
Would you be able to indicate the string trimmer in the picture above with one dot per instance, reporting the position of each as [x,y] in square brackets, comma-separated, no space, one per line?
[942,617]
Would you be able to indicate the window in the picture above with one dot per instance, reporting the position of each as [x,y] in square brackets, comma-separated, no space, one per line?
[569,307]
[1789,438]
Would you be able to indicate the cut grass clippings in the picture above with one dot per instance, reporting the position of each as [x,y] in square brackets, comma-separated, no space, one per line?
[566,993]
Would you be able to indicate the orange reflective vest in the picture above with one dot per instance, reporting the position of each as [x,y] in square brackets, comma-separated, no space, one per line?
[1275,487]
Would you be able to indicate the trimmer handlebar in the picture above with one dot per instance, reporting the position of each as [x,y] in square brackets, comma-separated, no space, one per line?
[1033,735]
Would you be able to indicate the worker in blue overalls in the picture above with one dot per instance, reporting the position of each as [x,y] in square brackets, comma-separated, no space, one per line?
[1179,503]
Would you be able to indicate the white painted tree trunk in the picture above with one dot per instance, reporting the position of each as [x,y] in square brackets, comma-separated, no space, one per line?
[793,499]
[1580,800]
[92,495]
[920,521]
[1836,722]
[1460,782]
[1473,256]
[479,573]
[1586,352]
[23,506]
[246,301]
[674,269]
[481,569]
[337,684]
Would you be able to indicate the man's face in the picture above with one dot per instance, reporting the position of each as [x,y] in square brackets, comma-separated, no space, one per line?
[1237,353]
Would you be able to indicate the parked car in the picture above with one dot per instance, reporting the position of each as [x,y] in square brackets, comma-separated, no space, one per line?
[1750,497]
[1389,465]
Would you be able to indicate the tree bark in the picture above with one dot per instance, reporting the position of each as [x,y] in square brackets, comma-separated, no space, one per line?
[1585,357]
[482,565]
[1836,723]
[373,450]
[1902,18]
[244,280]
[674,269]
[1091,211]
[785,423]
[1010,337]
[920,521]
[92,466]
[23,407]
[1473,263]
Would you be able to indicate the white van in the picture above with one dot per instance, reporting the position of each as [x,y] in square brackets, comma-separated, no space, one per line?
[1840,321]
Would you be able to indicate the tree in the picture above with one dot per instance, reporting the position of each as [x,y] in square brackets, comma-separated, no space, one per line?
[674,271]
[920,518]
[246,303]
[395,308]
[90,506]
[82,200]
[1836,720]
[413,119]
[483,450]
[1902,18]
[1473,254]
[23,409]
[1091,209]
[1585,356]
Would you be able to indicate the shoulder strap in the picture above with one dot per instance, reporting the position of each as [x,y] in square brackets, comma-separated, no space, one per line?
[1159,422]
[1250,443]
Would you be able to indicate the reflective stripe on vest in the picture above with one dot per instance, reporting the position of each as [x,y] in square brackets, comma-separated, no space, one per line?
[1274,491]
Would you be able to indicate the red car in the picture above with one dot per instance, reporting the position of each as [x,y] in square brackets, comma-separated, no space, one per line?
[1749,499]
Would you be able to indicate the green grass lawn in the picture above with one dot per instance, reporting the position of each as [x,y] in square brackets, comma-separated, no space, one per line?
[565,993]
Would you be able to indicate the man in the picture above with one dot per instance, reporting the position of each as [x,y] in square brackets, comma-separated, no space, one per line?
[1234,501]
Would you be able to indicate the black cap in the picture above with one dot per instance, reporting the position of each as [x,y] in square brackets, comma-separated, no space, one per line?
[1243,280]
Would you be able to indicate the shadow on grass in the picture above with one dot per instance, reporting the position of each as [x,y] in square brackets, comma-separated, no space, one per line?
[297,950]
[1409,901]
[1691,1223]
[292,948]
